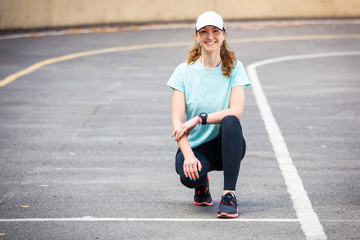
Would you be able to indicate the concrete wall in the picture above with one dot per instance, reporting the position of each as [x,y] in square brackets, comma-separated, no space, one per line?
[16,14]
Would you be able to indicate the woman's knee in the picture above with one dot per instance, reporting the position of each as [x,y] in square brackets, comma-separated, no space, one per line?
[187,182]
[194,183]
[232,135]
[230,122]
[206,167]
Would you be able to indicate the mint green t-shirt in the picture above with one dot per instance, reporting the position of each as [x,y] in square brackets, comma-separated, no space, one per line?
[206,90]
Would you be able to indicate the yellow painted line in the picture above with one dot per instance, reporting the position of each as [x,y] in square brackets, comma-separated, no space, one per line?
[38,65]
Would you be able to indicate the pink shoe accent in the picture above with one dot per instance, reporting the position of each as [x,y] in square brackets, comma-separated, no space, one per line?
[203,203]
[227,215]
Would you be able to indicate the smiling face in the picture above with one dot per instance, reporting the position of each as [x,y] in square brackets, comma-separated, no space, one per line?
[210,38]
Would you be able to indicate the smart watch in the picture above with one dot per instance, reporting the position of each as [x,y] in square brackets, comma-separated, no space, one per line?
[203,117]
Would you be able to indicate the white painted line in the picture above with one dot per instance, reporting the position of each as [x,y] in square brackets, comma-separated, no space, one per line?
[309,221]
[303,56]
[340,220]
[91,219]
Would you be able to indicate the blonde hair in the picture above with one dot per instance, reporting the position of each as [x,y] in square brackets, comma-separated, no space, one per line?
[228,57]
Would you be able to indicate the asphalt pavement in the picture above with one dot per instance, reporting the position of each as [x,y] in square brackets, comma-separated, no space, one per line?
[86,149]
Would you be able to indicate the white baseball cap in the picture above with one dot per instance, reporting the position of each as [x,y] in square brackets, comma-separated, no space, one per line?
[209,19]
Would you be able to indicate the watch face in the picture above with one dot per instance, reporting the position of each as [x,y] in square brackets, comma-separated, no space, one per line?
[203,118]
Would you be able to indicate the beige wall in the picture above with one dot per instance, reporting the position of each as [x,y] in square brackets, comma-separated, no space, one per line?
[15,14]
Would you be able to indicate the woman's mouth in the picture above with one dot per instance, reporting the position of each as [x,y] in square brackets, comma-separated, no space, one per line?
[210,43]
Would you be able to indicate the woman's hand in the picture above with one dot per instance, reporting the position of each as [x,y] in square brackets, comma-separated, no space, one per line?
[192,166]
[185,128]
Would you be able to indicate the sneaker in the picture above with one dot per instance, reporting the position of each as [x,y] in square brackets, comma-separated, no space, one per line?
[228,207]
[202,195]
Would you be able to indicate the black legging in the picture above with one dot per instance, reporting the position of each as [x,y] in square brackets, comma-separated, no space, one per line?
[223,153]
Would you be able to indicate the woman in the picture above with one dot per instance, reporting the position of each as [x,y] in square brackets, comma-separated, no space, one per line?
[207,104]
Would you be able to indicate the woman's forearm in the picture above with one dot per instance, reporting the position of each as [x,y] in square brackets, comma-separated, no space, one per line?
[185,147]
[216,117]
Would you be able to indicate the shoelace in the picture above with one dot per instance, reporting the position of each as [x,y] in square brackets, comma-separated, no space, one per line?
[227,200]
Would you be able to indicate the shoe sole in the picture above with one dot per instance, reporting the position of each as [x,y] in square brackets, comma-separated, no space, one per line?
[228,215]
[203,203]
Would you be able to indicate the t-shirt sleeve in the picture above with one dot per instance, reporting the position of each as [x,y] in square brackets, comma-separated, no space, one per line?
[176,80]
[239,76]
